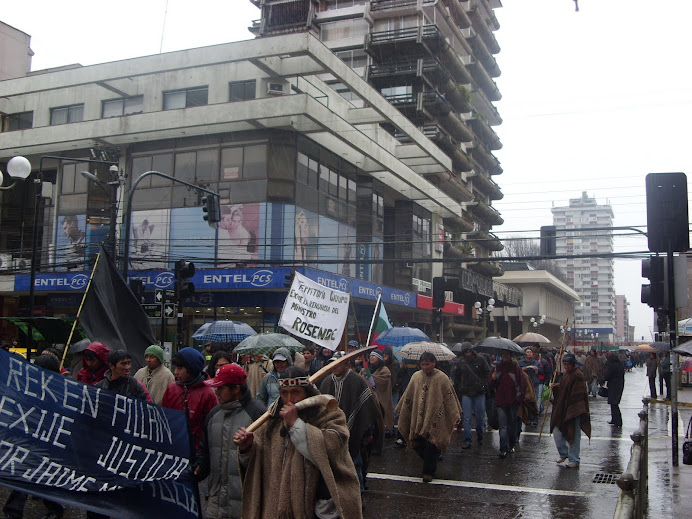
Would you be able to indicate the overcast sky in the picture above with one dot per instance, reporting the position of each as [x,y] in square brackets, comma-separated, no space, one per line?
[592,100]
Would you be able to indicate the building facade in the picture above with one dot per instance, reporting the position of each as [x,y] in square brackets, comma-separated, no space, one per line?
[584,230]
[623,330]
[15,52]
[307,180]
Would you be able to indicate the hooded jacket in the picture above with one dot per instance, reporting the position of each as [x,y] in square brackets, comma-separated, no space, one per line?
[85,374]
[218,455]
[268,391]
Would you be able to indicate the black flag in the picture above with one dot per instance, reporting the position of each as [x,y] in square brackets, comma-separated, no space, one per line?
[112,315]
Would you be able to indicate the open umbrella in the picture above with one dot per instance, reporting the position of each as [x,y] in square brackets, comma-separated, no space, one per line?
[226,331]
[532,337]
[399,336]
[79,346]
[495,345]
[684,349]
[413,350]
[201,330]
[661,345]
[267,343]
[646,347]
[459,346]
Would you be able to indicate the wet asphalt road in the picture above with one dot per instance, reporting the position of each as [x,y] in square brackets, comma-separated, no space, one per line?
[476,483]
[528,483]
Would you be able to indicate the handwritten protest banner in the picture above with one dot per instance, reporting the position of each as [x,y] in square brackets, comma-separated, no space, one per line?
[87,447]
[315,312]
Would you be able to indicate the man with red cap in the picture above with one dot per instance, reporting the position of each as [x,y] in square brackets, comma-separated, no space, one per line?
[236,409]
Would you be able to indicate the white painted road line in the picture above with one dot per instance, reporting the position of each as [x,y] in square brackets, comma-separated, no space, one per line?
[486,486]
[609,438]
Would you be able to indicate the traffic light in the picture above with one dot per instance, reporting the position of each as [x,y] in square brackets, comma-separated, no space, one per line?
[184,270]
[288,280]
[437,317]
[137,288]
[211,209]
[654,269]
[548,240]
[438,292]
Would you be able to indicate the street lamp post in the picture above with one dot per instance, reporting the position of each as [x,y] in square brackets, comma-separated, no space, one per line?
[34,237]
[484,315]
[111,187]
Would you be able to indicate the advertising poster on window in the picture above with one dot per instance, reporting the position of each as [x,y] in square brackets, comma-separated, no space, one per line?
[70,243]
[377,249]
[305,236]
[238,231]
[328,240]
[347,242]
[97,233]
[315,312]
[191,237]
[149,239]
[279,225]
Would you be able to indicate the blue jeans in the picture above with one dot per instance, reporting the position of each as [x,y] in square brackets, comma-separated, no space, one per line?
[565,449]
[507,420]
[471,405]
[358,463]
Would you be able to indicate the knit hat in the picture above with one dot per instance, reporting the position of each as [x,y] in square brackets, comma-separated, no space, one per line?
[156,351]
[228,374]
[191,359]
[378,354]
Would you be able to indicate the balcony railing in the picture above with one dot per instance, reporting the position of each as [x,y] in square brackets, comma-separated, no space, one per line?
[418,33]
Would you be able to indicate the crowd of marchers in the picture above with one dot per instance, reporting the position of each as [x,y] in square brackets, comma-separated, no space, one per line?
[309,457]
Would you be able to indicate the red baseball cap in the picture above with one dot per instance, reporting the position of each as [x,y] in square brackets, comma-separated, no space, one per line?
[228,374]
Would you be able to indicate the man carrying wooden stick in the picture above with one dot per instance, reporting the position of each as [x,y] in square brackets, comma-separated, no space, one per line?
[297,463]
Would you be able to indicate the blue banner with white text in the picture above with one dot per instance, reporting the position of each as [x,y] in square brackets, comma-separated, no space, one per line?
[90,448]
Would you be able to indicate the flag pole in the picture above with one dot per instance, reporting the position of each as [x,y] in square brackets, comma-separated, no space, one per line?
[353,307]
[374,317]
[79,311]
[558,363]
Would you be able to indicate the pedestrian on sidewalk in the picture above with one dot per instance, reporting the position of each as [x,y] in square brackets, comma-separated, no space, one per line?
[615,378]
[570,414]
[155,377]
[666,372]
[428,412]
[651,370]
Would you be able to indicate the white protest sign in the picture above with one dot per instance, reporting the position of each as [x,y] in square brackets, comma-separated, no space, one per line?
[315,312]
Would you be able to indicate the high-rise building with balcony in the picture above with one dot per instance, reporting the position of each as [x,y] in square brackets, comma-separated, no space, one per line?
[623,330]
[584,230]
[434,61]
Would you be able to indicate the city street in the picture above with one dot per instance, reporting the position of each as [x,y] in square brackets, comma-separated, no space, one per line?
[528,484]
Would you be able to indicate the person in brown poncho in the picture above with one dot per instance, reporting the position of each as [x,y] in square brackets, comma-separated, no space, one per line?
[380,380]
[297,464]
[570,413]
[428,411]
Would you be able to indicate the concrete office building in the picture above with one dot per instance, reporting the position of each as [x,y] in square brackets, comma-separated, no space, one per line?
[592,278]
[307,179]
[623,330]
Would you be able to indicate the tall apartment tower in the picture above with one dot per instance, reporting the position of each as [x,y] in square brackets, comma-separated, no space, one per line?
[591,277]
[434,61]
[623,335]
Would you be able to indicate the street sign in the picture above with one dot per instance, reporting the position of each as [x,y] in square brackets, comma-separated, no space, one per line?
[169,310]
[164,296]
[152,310]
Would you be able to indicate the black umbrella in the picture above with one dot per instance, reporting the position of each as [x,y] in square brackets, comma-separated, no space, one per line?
[460,346]
[661,345]
[684,349]
[495,345]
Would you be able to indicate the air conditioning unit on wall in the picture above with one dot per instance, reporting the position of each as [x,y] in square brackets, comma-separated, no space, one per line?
[275,89]
[5,261]
[21,264]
